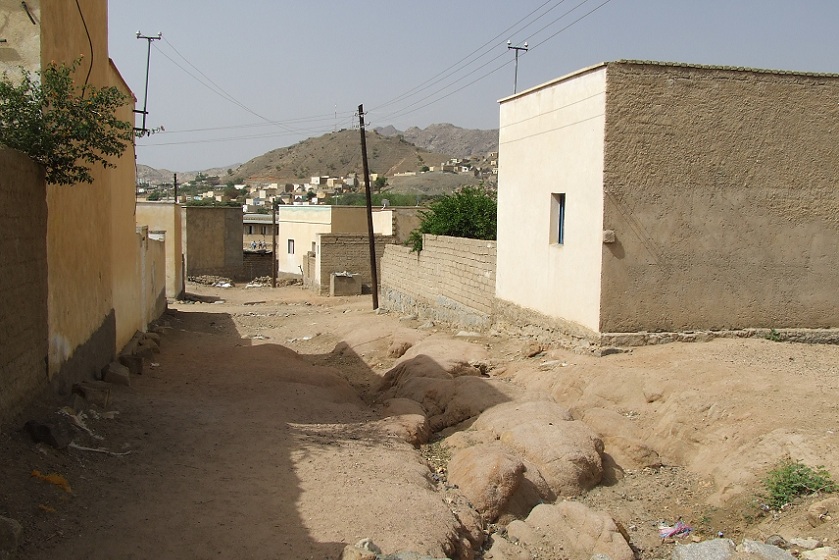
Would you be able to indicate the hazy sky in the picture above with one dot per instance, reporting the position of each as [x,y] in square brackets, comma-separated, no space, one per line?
[232,80]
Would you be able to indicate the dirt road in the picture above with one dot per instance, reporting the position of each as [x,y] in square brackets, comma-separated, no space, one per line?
[251,435]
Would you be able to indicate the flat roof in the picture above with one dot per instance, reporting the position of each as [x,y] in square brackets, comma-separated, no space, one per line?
[600,65]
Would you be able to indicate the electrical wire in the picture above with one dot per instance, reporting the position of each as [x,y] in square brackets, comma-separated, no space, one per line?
[459,64]
[221,92]
[89,42]
[405,110]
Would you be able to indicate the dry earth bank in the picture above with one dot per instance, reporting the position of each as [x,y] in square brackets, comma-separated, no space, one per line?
[278,424]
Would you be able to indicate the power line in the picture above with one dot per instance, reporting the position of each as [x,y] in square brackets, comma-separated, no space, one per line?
[404,111]
[570,24]
[459,64]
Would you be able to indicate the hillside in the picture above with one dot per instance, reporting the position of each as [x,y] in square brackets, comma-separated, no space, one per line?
[152,176]
[336,154]
[390,151]
[449,139]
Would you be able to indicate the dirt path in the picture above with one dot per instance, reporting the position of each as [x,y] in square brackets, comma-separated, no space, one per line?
[251,435]
[238,447]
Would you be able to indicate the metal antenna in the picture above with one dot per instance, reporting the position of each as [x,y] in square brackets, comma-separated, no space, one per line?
[143,131]
[517,49]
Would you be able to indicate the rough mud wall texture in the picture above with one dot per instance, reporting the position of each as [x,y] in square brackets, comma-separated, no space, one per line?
[721,187]
[452,279]
[351,253]
[214,241]
[23,282]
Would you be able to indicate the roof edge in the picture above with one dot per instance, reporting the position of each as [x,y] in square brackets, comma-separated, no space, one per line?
[573,74]
[633,62]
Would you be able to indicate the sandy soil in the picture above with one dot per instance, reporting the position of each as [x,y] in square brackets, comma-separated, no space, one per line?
[252,434]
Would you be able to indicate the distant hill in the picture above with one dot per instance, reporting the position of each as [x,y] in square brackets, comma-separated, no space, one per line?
[390,151]
[152,176]
[337,154]
[449,139]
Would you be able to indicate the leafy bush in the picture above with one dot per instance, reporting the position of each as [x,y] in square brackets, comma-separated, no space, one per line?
[471,213]
[791,479]
[60,125]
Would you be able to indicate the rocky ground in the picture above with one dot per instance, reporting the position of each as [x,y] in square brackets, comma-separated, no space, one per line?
[277,424]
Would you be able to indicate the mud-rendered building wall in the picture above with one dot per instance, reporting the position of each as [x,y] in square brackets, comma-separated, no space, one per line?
[687,197]
[23,281]
[213,241]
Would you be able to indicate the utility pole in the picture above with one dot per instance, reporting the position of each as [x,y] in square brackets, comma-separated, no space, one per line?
[274,261]
[175,183]
[143,131]
[372,240]
[517,49]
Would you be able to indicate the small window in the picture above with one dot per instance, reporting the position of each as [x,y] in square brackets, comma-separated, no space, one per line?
[558,218]
[291,246]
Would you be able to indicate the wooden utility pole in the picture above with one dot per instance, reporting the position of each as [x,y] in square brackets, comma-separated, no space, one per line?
[274,261]
[372,240]
[175,183]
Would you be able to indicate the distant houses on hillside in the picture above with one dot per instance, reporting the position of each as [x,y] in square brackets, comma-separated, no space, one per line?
[319,189]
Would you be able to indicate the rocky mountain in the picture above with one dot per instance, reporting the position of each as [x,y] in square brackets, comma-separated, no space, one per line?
[390,151]
[337,154]
[152,176]
[449,139]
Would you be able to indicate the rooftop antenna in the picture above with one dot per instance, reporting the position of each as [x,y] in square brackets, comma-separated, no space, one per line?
[517,49]
[144,131]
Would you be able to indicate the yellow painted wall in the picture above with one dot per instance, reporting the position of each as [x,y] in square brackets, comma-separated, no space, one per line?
[23,40]
[166,217]
[125,248]
[92,248]
[79,244]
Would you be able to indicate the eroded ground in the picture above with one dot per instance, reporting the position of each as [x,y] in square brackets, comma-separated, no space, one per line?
[257,432]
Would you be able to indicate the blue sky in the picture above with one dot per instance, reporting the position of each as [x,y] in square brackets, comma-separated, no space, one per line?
[232,80]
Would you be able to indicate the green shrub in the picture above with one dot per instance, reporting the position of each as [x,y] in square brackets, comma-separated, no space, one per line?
[791,479]
[471,213]
[64,127]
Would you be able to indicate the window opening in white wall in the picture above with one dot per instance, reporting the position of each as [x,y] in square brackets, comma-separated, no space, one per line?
[558,218]
[291,246]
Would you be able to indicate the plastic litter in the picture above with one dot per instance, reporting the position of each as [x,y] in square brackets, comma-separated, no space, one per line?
[680,530]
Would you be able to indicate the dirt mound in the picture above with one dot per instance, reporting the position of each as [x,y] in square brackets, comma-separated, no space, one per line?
[287,428]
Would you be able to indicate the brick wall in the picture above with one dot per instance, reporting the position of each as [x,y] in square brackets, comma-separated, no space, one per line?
[452,279]
[257,264]
[341,252]
[23,282]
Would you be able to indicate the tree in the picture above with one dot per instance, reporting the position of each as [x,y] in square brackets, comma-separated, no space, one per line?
[470,213]
[231,192]
[380,183]
[64,127]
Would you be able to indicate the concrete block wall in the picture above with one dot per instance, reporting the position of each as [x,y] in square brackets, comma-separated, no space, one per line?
[23,282]
[339,252]
[452,279]
[257,264]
